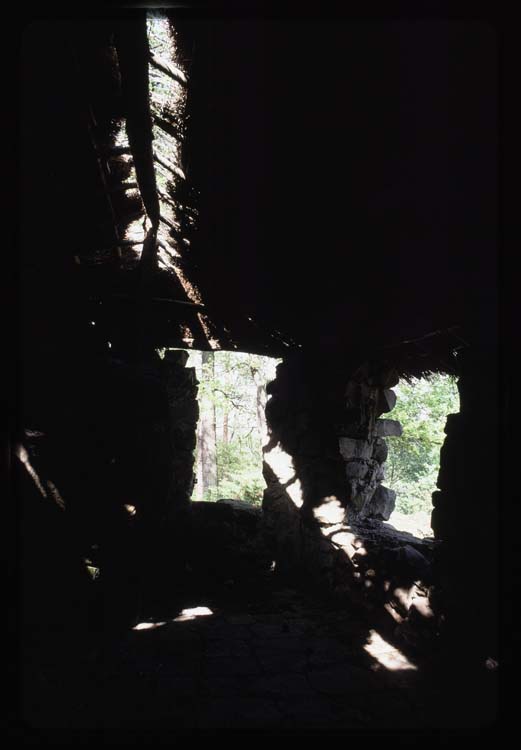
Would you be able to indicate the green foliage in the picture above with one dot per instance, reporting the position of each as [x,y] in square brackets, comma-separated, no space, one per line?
[413,461]
[239,470]
[232,387]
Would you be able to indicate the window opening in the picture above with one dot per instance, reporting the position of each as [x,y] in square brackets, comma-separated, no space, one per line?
[413,459]
[232,424]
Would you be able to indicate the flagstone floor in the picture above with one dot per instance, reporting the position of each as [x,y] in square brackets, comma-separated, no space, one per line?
[267,657]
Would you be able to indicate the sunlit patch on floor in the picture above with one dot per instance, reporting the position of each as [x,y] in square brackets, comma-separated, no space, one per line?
[386,654]
[192,612]
[148,625]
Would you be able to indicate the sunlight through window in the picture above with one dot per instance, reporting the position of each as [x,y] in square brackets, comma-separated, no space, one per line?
[413,460]
[232,430]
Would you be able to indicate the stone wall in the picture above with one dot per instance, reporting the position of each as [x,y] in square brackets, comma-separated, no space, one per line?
[181,386]
[362,441]
[226,541]
[324,501]
[334,437]
[301,413]
[465,514]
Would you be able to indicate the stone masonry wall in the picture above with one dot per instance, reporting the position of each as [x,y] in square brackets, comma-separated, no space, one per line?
[181,386]
[167,541]
[465,514]
[362,442]
[328,443]
[324,501]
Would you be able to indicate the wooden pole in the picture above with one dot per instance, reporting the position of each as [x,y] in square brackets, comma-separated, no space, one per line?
[168,165]
[169,129]
[168,69]
[121,188]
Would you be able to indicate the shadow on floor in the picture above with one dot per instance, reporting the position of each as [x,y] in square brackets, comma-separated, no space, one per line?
[263,655]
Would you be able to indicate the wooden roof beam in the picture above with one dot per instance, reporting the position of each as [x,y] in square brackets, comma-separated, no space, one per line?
[168,69]
[169,129]
[169,166]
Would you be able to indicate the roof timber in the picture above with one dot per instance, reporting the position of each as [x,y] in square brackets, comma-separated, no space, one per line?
[168,69]
[166,164]
[169,128]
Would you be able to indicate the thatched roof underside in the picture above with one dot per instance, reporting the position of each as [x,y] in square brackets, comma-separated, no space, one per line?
[302,186]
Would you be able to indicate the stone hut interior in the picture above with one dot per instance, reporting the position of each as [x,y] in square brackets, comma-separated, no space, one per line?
[322,190]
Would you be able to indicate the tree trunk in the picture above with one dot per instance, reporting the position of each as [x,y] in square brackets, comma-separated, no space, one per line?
[225,426]
[260,404]
[198,467]
[226,414]
[207,432]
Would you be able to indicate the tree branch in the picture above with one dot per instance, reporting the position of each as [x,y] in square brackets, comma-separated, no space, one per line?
[229,398]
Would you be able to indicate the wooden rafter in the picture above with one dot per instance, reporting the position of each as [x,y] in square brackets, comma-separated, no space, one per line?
[167,199]
[166,164]
[112,151]
[168,127]
[123,186]
[168,69]
[162,300]
[171,226]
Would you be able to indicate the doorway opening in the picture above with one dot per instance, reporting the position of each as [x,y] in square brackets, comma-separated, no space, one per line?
[231,429]
[413,460]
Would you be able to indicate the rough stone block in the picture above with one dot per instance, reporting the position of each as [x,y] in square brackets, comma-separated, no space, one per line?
[351,448]
[356,469]
[388,428]
[241,506]
[453,423]
[176,357]
[412,560]
[385,378]
[386,401]
[437,498]
[438,523]
[381,504]
[380,450]
[360,493]
[354,428]
[358,394]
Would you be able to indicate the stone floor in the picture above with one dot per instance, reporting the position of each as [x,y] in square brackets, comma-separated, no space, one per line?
[267,657]
[263,658]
